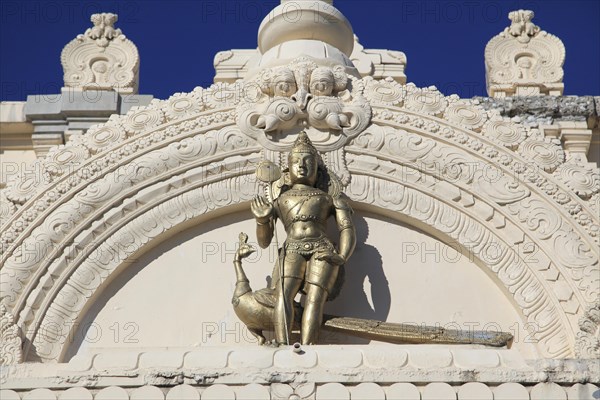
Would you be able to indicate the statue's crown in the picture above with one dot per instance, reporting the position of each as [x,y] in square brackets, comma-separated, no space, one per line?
[303,145]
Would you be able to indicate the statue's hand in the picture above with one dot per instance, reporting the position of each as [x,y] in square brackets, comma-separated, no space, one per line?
[262,209]
[331,258]
[244,251]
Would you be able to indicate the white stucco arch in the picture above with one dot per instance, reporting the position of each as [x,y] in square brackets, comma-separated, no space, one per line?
[146,171]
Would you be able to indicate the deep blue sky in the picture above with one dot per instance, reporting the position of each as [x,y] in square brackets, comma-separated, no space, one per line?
[444,40]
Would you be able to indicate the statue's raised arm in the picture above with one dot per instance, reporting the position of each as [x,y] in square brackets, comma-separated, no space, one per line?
[262,210]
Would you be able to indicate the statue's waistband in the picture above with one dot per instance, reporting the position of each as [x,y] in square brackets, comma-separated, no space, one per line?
[308,246]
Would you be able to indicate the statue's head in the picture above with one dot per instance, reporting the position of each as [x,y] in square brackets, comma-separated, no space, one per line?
[303,161]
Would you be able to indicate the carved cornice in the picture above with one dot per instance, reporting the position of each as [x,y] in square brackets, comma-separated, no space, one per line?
[409,370]
[231,65]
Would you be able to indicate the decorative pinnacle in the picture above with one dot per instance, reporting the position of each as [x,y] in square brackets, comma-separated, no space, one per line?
[521,26]
[104,29]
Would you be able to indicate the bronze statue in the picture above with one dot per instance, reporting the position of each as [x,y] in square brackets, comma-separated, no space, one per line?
[256,310]
[309,262]
[304,196]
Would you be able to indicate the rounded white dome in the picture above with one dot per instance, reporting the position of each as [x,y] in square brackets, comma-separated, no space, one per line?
[306,20]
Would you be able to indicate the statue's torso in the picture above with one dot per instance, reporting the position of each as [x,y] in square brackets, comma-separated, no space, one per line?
[304,212]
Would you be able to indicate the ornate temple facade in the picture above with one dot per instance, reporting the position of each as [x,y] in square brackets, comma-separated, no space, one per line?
[120,217]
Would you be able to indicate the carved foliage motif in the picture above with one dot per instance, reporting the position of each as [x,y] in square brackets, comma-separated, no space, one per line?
[387,92]
[10,340]
[582,179]
[588,339]
[539,154]
[46,243]
[102,58]
[93,193]
[547,153]
[67,166]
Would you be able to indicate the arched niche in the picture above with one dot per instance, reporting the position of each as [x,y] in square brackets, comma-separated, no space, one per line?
[177,293]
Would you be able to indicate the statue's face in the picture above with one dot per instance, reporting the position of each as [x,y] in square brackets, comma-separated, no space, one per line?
[321,82]
[303,168]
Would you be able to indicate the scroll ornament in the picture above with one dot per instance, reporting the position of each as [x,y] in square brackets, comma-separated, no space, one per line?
[299,95]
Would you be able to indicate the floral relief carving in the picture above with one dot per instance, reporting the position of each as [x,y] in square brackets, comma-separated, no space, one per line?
[221,94]
[582,179]
[10,343]
[166,214]
[469,116]
[506,133]
[428,101]
[119,184]
[487,179]
[588,339]
[544,153]
[182,105]
[387,92]
[98,141]
[7,207]
[294,391]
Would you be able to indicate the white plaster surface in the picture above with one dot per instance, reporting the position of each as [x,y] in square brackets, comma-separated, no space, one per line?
[14,163]
[191,274]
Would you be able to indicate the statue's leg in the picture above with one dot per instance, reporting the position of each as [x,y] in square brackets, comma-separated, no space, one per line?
[321,275]
[293,266]
[257,333]
[312,318]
